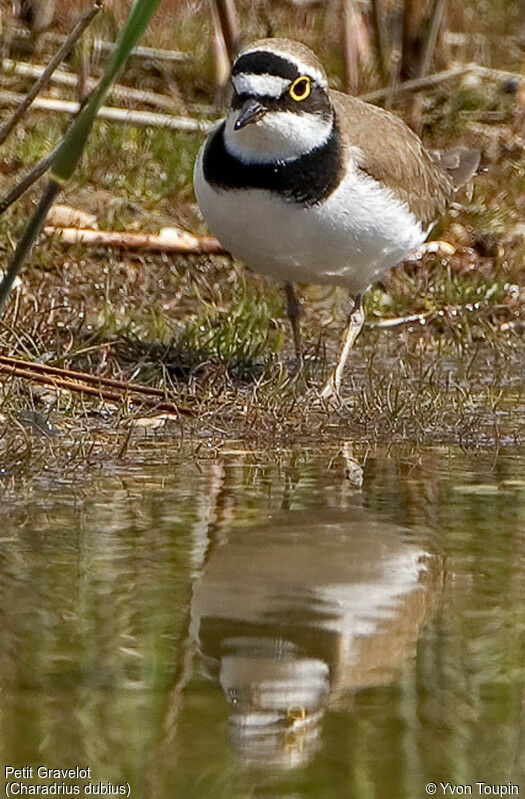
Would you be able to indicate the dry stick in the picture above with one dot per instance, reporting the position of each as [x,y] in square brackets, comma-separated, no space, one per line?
[348,36]
[221,59]
[62,78]
[422,64]
[86,377]
[183,243]
[497,74]
[143,119]
[27,181]
[418,84]
[414,15]
[400,320]
[83,69]
[381,38]
[229,23]
[429,45]
[93,391]
[430,315]
[150,53]
[457,38]
[43,80]
[393,82]
[157,54]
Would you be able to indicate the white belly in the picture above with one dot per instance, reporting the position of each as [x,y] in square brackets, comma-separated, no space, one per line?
[348,240]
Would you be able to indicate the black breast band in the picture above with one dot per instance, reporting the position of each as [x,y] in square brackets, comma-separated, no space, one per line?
[306,180]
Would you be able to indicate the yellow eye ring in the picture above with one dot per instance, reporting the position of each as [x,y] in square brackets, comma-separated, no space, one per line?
[301,88]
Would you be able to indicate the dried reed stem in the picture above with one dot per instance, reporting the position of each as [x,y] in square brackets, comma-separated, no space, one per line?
[45,77]
[145,119]
[63,78]
[381,36]
[229,24]
[85,383]
[149,53]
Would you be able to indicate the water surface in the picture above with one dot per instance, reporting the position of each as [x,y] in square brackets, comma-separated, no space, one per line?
[259,624]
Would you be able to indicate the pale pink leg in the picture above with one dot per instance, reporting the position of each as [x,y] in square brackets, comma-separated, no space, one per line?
[355,323]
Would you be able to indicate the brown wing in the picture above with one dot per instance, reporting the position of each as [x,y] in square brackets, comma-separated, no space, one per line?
[394,155]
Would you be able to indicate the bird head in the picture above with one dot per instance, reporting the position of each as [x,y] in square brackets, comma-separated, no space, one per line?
[280,107]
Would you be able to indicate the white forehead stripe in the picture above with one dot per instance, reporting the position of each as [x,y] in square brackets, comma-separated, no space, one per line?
[262,85]
[302,68]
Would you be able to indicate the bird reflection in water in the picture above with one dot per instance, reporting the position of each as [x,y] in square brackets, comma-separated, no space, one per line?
[292,616]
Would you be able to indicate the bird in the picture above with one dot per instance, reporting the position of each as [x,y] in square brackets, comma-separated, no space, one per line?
[305,184]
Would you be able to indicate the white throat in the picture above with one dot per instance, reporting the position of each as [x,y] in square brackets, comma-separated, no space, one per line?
[278,136]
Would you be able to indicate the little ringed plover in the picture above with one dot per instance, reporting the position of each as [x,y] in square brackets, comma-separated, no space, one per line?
[309,185]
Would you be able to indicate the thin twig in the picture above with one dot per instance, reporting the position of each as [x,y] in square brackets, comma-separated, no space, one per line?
[57,371]
[418,84]
[44,78]
[497,74]
[63,78]
[157,54]
[348,40]
[229,23]
[393,83]
[91,385]
[145,119]
[221,59]
[178,242]
[381,39]
[414,13]
[27,181]
[149,53]
[429,45]
[427,54]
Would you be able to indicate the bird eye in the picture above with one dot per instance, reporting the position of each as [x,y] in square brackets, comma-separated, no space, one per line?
[300,88]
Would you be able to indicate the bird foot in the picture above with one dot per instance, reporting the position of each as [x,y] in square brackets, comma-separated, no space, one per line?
[442,248]
[330,393]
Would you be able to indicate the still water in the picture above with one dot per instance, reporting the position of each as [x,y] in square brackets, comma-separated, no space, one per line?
[264,625]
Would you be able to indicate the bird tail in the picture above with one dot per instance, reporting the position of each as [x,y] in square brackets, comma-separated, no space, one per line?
[460,164]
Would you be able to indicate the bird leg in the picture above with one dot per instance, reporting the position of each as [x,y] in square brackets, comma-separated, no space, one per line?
[293,309]
[356,319]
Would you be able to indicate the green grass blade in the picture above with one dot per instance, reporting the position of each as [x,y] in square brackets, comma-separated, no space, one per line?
[27,240]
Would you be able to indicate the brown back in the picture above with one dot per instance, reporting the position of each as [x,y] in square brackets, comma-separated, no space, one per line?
[395,156]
